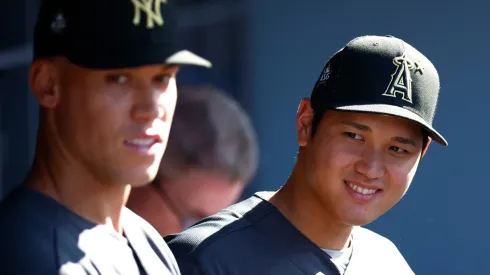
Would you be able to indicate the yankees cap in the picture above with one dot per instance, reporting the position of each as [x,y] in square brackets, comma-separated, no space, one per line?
[111,34]
[381,75]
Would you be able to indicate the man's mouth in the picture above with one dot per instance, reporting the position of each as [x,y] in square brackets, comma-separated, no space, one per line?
[361,190]
[142,141]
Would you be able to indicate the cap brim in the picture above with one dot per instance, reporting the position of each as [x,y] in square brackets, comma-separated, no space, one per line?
[384,109]
[185,57]
[139,56]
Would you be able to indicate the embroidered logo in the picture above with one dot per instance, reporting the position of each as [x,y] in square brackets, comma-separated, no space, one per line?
[152,10]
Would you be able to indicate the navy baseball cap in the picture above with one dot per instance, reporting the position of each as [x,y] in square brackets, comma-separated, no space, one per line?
[111,34]
[381,75]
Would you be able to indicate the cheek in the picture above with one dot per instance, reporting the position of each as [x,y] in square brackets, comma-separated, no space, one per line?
[167,104]
[401,174]
[106,114]
[333,159]
[97,118]
[168,101]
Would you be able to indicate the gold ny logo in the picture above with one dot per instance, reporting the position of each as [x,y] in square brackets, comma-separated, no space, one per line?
[152,9]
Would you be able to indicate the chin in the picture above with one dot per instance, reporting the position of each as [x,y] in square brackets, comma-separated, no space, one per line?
[139,183]
[359,221]
[140,178]
[357,218]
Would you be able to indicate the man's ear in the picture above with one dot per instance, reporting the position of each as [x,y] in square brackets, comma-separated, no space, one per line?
[424,150]
[304,121]
[44,80]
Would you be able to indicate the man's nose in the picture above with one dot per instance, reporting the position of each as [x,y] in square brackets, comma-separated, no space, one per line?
[371,164]
[147,105]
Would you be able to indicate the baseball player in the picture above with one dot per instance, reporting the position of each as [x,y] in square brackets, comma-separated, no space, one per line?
[104,75]
[362,135]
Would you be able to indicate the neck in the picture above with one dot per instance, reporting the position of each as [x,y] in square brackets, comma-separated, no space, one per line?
[72,185]
[151,206]
[302,207]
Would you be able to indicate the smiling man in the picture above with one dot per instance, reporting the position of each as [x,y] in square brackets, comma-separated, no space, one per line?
[362,135]
[104,75]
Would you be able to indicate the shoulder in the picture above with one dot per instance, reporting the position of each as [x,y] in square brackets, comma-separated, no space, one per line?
[154,239]
[26,215]
[382,249]
[25,211]
[27,233]
[209,231]
[36,250]
[210,240]
[214,229]
[371,237]
[133,219]
[374,240]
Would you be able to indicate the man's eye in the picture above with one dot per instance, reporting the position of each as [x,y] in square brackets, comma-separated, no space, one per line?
[119,79]
[353,135]
[397,149]
[163,78]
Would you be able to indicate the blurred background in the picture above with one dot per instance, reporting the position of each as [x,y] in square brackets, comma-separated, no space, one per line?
[268,54]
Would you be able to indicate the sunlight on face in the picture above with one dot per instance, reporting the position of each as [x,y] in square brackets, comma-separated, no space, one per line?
[117,122]
[361,165]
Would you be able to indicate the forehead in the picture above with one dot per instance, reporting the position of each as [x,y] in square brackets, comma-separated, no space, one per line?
[374,122]
[65,66]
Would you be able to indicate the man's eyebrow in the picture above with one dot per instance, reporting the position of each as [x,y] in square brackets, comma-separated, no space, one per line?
[362,127]
[170,67]
[405,140]
[357,125]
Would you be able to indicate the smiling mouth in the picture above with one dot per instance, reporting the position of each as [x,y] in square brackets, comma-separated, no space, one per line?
[144,142]
[361,190]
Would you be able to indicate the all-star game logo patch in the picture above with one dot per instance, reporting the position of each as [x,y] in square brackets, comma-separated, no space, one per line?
[324,76]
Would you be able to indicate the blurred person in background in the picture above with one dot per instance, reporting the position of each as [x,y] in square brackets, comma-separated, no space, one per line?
[104,74]
[212,153]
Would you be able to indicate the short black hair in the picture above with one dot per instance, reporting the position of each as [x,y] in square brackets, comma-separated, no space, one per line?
[210,131]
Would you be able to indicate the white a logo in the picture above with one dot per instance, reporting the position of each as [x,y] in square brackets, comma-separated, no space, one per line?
[152,9]
[401,81]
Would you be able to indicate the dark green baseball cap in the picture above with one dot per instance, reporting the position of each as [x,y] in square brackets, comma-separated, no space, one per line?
[111,34]
[381,75]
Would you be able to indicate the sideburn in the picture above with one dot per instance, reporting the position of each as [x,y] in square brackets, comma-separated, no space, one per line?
[317,117]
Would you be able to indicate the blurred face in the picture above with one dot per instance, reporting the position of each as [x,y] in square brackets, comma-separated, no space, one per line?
[200,194]
[114,122]
[358,165]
